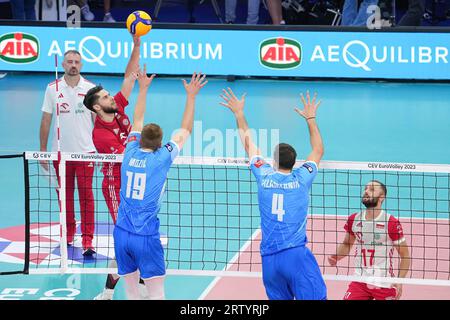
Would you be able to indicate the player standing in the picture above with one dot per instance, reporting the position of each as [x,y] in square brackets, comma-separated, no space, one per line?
[289,268]
[146,162]
[75,136]
[376,234]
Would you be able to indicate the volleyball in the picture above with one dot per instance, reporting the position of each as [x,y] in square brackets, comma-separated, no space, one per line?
[139,23]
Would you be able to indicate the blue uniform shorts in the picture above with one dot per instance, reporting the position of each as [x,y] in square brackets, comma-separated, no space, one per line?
[137,252]
[293,273]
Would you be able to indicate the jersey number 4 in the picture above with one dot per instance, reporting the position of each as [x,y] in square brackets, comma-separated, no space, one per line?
[277,206]
[135,185]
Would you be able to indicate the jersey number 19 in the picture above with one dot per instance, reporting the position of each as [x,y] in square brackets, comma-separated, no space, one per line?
[135,185]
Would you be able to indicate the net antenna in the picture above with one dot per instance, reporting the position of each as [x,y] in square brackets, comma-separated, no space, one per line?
[62,177]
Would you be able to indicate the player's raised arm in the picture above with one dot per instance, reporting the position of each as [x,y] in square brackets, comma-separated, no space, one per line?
[144,83]
[197,82]
[132,66]
[237,107]
[309,113]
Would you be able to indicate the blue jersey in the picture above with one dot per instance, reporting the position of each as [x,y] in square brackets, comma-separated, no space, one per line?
[283,204]
[143,179]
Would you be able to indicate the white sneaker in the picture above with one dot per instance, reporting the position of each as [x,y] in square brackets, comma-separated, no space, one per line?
[108,18]
[143,292]
[86,12]
[106,294]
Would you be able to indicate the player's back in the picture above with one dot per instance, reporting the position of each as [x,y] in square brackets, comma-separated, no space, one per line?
[283,203]
[143,178]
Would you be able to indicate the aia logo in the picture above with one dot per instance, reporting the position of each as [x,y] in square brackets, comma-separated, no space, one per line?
[280,53]
[19,47]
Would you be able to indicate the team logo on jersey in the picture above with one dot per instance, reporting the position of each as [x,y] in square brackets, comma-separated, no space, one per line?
[64,107]
[169,147]
[125,122]
[308,167]
[80,108]
[132,138]
[19,47]
[259,163]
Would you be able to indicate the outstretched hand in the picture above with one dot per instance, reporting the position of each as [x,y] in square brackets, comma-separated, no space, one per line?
[309,107]
[142,78]
[232,102]
[198,81]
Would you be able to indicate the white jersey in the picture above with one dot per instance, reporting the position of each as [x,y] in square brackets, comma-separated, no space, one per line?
[75,120]
[375,240]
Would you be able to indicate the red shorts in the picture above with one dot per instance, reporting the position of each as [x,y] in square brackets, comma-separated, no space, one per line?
[363,291]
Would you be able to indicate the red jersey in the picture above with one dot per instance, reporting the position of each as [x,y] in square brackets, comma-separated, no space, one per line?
[111,137]
[375,241]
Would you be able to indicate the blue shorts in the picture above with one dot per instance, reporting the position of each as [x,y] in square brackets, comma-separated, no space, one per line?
[293,273]
[137,252]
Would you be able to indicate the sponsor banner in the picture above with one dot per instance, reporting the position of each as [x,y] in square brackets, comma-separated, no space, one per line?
[389,55]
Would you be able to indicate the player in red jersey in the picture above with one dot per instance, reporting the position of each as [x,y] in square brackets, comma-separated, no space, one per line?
[111,129]
[112,126]
[377,234]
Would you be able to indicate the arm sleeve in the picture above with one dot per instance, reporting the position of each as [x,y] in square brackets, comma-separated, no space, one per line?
[349,224]
[168,153]
[134,141]
[260,167]
[395,231]
[308,172]
[48,104]
[121,101]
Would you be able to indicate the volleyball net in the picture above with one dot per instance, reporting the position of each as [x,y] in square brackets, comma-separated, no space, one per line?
[210,222]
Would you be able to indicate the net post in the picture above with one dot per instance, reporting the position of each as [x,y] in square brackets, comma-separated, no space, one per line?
[26,266]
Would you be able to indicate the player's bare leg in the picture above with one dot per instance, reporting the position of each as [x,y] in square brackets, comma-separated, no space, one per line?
[131,285]
[155,288]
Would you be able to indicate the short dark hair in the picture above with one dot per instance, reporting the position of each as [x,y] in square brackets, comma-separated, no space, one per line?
[151,136]
[383,186]
[91,97]
[72,51]
[285,156]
